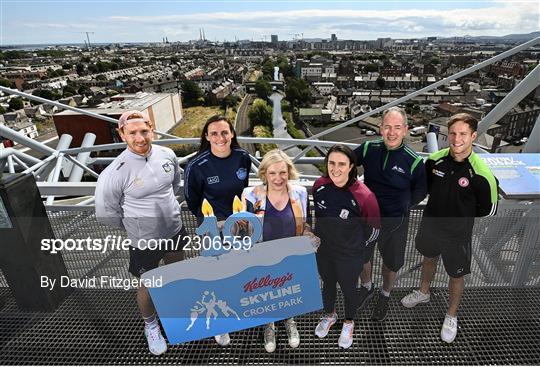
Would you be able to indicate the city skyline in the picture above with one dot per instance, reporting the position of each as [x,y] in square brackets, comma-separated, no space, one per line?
[60,21]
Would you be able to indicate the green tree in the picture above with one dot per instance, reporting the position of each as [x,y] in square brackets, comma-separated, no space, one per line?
[297,92]
[285,68]
[263,131]
[229,101]
[11,55]
[103,66]
[84,90]
[191,93]
[263,88]
[371,68]
[55,73]
[69,91]
[380,82]
[47,94]
[7,83]
[80,68]
[268,69]
[16,104]
[260,113]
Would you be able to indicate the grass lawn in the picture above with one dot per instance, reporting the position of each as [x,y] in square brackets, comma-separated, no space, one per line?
[193,123]
[255,75]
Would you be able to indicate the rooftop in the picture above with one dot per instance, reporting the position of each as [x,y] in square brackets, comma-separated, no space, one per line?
[136,101]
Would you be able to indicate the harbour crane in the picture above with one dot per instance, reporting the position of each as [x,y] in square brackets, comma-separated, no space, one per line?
[88,37]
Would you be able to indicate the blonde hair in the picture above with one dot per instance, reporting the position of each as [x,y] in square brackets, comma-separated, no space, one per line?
[276,156]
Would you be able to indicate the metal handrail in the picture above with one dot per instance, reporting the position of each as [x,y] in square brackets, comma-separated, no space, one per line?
[71,108]
[56,155]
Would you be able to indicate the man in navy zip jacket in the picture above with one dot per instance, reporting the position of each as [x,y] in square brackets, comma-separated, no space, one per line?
[396,175]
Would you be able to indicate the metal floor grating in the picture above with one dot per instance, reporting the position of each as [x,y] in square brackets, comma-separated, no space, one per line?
[94,327]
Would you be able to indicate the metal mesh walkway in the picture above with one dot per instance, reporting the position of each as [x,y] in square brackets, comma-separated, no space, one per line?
[499,315]
[94,327]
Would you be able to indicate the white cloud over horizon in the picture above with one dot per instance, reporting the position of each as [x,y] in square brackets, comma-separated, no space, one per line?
[496,19]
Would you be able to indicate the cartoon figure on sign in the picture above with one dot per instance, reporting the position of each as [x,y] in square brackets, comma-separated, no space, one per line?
[226,309]
[208,303]
[210,307]
[195,312]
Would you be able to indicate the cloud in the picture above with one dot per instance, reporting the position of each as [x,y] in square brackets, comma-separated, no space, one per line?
[44,25]
[498,17]
[493,18]
[39,25]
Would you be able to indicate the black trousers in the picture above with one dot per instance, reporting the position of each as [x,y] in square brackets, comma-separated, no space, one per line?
[342,271]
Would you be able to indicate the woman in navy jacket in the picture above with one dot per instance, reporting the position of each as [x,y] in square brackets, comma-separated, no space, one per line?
[219,171]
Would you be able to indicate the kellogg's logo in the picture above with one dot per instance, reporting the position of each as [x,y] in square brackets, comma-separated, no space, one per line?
[267,281]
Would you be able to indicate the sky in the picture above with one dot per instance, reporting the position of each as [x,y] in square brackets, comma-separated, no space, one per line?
[64,21]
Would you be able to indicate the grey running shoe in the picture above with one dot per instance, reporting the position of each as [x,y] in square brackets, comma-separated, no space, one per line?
[270,338]
[325,324]
[292,333]
[414,298]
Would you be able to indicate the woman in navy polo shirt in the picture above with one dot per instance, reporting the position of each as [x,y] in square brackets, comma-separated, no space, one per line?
[347,220]
[218,173]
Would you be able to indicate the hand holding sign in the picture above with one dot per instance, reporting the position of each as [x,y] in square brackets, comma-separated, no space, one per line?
[213,243]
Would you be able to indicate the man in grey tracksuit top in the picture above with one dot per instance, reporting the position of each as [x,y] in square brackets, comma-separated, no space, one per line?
[137,192]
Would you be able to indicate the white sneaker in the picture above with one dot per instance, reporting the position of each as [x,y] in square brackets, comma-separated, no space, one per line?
[414,298]
[346,337]
[292,333]
[449,329]
[156,342]
[223,339]
[325,324]
[270,338]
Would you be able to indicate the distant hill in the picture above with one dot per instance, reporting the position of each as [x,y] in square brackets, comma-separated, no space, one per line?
[509,37]
[524,37]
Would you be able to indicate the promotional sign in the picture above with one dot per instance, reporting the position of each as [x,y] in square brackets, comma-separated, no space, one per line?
[518,174]
[207,296]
